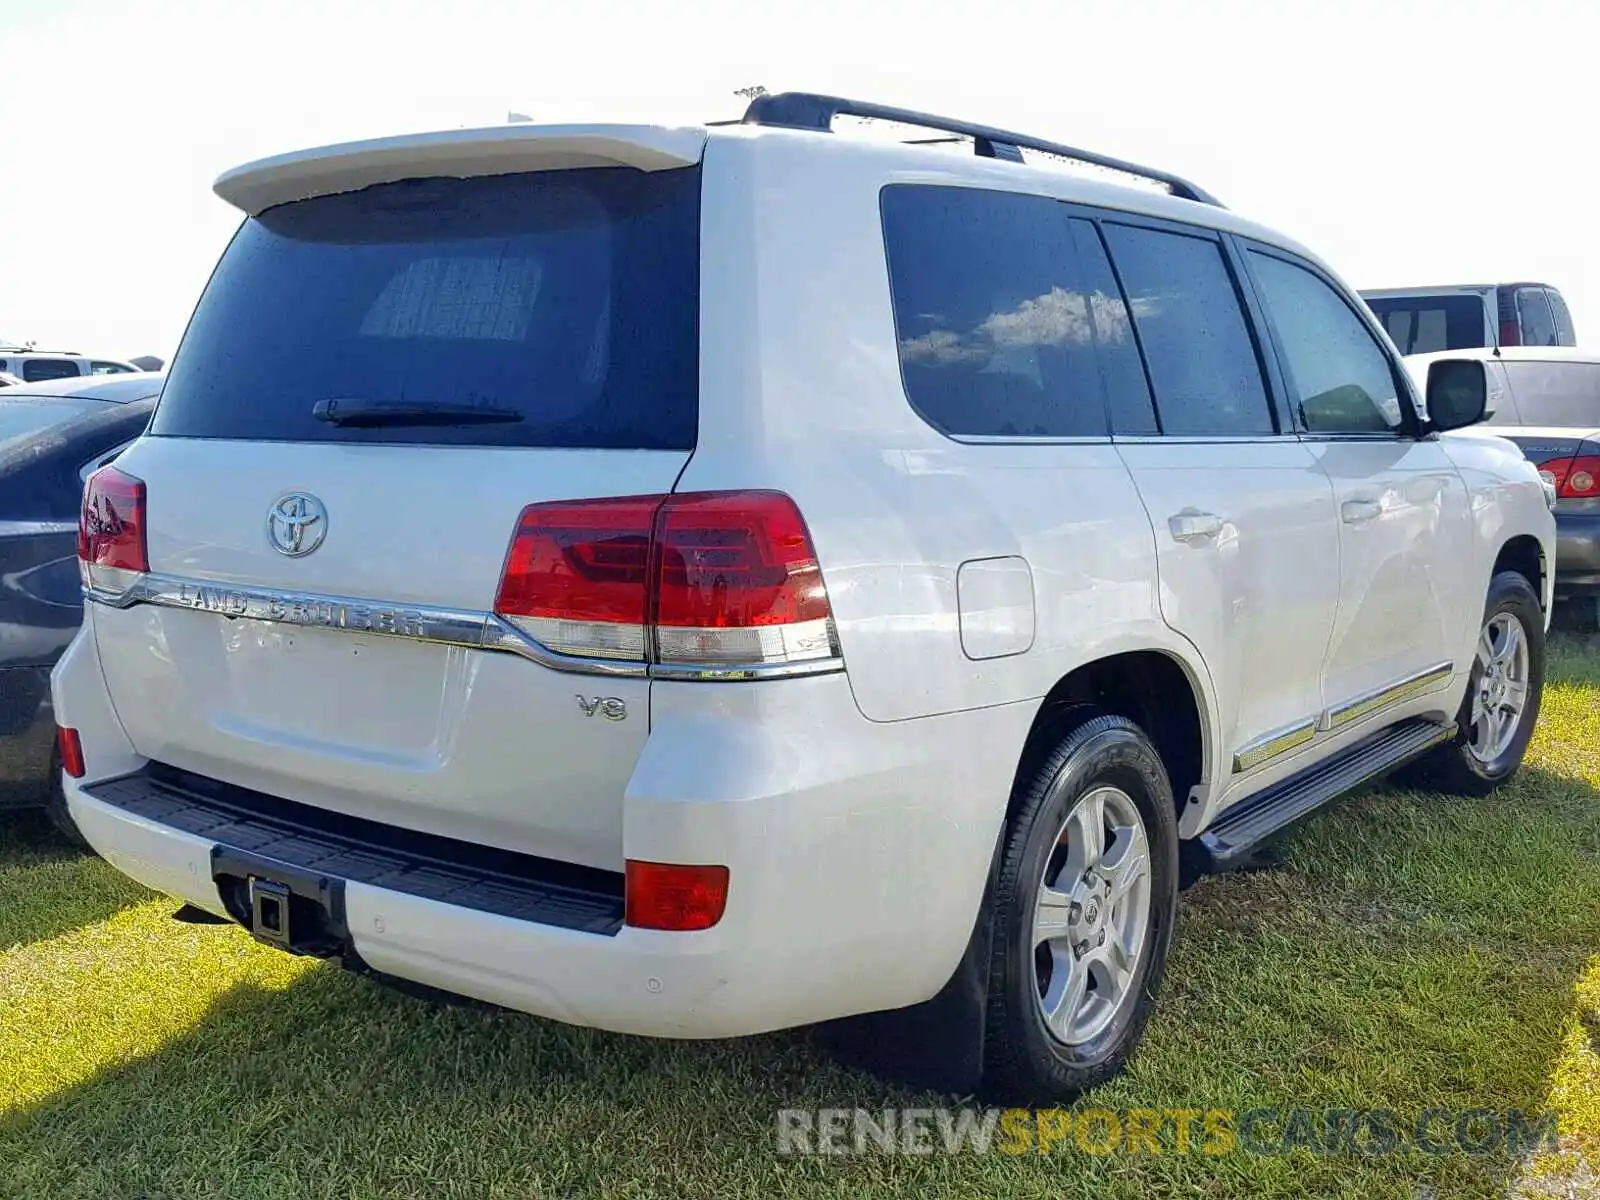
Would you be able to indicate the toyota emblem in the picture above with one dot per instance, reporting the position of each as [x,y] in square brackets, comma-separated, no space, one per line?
[296,524]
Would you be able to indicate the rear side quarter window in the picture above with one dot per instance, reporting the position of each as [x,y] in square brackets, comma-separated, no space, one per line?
[36,370]
[1000,301]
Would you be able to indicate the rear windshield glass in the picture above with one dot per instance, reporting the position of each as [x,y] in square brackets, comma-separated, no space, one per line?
[1425,324]
[1556,393]
[22,415]
[566,300]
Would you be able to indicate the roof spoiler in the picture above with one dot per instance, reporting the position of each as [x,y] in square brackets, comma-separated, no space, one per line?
[457,153]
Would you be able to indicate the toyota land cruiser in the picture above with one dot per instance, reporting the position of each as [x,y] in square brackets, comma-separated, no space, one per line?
[698,581]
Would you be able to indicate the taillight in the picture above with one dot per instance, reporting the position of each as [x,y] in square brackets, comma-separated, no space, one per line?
[111,529]
[1574,478]
[1510,333]
[673,896]
[71,747]
[707,579]
[576,578]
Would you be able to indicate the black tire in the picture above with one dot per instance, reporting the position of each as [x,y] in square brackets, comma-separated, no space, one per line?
[1453,767]
[1024,1063]
[55,806]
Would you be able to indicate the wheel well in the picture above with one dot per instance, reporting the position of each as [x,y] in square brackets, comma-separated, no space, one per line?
[1525,556]
[1147,687]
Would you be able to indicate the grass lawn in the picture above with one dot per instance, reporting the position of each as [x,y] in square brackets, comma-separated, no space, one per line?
[1411,952]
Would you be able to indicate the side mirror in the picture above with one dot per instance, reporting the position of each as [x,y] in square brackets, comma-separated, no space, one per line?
[1458,393]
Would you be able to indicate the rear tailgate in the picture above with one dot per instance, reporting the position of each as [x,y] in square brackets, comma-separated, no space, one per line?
[317,619]
[1569,458]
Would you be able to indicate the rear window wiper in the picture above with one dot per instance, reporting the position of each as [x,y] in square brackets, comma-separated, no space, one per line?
[368,414]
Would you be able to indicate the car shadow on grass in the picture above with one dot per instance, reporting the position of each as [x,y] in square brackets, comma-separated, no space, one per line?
[334,1085]
[49,886]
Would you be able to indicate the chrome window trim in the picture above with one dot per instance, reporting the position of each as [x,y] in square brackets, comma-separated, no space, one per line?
[1370,702]
[1273,743]
[984,439]
[467,628]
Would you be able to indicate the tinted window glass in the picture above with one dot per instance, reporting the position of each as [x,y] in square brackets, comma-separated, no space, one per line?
[994,313]
[108,368]
[1558,307]
[35,370]
[569,298]
[1556,393]
[1338,374]
[1425,324]
[1202,360]
[1538,324]
[1121,368]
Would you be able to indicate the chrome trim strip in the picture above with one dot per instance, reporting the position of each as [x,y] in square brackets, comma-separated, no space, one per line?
[1273,743]
[421,623]
[1368,703]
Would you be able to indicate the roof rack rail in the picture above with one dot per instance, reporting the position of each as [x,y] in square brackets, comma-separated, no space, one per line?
[808,110]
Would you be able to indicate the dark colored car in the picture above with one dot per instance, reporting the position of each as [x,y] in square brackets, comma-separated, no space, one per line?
[51,437]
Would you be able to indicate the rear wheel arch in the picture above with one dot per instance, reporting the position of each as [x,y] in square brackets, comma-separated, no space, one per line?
[1155,689]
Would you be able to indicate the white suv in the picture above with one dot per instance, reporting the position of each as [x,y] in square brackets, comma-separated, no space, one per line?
[694,582]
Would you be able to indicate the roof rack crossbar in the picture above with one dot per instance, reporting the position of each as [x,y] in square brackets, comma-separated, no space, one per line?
[808,110]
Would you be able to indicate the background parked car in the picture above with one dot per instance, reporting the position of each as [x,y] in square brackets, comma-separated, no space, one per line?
[1547,401]
[36,366]
[1463,316]
[52,436]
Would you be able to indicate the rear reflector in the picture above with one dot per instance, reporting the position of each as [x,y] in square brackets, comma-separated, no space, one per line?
[670,896]
[71,751]
[111,530]
[1574,478]
[723,579]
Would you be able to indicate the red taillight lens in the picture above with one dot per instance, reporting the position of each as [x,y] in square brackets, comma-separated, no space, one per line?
[671,896]
[1574,478]
[1510,334]
[717,578]
[71,751]
[577,577]
[111,527]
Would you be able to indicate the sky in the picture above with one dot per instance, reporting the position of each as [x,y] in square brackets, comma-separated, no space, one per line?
[1408,142]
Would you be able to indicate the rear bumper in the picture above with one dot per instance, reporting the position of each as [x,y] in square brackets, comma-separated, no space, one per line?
[1577,554]
[858,854]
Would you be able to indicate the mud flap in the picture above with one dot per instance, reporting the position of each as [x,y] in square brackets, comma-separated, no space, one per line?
[936,1045]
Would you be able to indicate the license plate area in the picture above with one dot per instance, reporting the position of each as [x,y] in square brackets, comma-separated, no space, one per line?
[284,906]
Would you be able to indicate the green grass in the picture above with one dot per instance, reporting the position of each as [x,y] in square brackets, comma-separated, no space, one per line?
[1411,951]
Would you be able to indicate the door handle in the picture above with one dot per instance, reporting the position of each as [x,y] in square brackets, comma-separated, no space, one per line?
[1192,525]
[1358,512]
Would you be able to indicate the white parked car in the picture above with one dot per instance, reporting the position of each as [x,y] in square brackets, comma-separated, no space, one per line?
[37,366]
[698,581]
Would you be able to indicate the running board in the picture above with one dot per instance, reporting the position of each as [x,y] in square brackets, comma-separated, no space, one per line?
[1241,829]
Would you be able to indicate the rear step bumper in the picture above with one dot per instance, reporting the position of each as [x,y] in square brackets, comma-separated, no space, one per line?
[634,981]
[256,835]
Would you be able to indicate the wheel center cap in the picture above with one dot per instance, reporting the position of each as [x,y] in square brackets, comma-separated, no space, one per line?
[1091,912]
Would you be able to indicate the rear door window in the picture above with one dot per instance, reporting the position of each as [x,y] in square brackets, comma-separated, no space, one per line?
[1202,358]
[997,313]
[1427,324]
[1538,322]
[37,370]
[566,301]
[1556,393]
